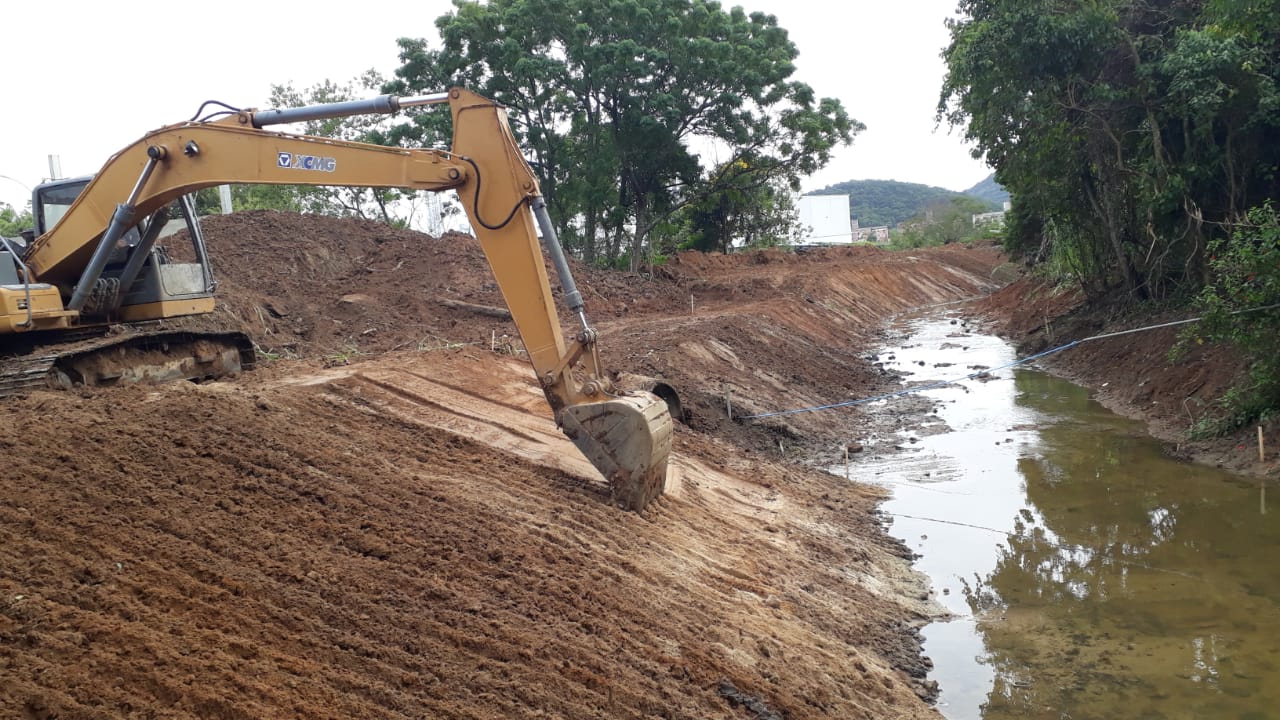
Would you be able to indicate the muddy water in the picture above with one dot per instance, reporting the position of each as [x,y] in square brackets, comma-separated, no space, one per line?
[1088,575]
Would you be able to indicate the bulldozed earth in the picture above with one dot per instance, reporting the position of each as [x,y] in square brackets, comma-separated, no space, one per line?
[382,521]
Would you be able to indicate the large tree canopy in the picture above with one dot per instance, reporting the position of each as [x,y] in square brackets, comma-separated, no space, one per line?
[1130,133]
[1141,143]
[616,100]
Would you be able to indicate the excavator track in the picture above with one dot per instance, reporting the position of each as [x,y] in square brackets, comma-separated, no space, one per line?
[107,356]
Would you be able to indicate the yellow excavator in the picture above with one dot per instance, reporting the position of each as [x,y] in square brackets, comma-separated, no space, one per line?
[84,295]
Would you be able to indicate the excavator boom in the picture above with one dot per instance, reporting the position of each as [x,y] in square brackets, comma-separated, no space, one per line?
[91,268]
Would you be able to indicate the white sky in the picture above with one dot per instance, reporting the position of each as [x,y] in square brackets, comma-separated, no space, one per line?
[84,78]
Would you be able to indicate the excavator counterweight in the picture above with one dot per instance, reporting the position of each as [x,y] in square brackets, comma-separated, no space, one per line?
[94,269]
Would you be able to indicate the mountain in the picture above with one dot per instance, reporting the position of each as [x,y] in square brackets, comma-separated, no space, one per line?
[989,190]
[889,202]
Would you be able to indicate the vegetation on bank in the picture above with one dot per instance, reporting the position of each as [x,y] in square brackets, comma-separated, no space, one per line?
[1240,308]
[1141,144]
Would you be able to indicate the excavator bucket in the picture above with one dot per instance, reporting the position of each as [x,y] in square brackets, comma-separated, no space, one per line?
[628,439]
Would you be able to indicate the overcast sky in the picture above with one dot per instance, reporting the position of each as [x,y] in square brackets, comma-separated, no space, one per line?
[86,78]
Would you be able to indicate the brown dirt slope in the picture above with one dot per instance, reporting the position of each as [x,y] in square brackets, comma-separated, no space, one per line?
[384,521]
[772,330]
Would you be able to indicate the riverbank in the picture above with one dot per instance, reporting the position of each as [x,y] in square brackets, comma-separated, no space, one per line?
[382,520]
[1136,375]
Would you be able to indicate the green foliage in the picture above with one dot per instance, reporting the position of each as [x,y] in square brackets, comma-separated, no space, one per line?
[12,222]
[1135,132]
[888,202]
[1246,276]
[610,97]
[941,223]
[907,238]
[754,211]
[1134,136]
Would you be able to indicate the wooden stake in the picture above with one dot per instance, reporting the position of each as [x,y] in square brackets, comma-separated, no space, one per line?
[1262,480]
[690,304]
[846,461]
[728,401]
[493,341]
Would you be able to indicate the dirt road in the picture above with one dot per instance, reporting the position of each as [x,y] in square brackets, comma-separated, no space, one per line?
[384,522]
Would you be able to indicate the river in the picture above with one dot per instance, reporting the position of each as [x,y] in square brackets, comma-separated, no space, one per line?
[1089,576]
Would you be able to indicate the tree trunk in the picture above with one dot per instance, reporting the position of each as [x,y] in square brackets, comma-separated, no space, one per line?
[641,233]
[1104,205]
[589,236]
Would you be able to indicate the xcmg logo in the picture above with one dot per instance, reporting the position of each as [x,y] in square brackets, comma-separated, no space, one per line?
[294,161]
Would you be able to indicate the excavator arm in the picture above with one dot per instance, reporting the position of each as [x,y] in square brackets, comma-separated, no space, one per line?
[627,436]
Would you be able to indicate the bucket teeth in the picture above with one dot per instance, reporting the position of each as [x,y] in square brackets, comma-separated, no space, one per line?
[628,439]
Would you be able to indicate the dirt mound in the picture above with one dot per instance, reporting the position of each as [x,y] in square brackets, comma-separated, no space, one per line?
[406,534]
[754,333]
[324,550]
[316,287]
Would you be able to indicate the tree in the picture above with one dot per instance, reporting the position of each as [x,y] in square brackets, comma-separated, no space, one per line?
[942,222]
[756,212]
[1134,132]
[1240,307]
[1141,142]
[12,222]
[616,93]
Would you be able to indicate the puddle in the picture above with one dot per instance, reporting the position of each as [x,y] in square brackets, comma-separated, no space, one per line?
[1089,575]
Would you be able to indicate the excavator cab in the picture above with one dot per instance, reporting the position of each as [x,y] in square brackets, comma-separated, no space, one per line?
[142,279]
[51,200]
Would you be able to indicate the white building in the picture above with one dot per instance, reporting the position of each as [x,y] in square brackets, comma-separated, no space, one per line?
[992,218]
[825,219]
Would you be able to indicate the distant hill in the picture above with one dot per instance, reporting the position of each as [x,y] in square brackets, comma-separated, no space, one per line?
[989,190]
[889,202]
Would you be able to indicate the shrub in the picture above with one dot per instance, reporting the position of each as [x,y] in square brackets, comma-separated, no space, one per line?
[1237,304]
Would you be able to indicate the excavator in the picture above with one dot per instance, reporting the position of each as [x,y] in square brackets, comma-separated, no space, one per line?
[85,295]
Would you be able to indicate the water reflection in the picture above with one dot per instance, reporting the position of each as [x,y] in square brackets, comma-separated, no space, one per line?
[1092,577]
[1138,587]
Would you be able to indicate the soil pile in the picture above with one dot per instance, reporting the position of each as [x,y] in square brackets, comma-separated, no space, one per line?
[383,521]
[307,286]
[755,333]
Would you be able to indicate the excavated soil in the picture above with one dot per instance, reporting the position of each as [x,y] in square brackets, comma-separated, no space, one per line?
[382,520]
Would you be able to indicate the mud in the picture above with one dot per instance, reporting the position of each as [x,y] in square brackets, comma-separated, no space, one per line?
[382,520]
